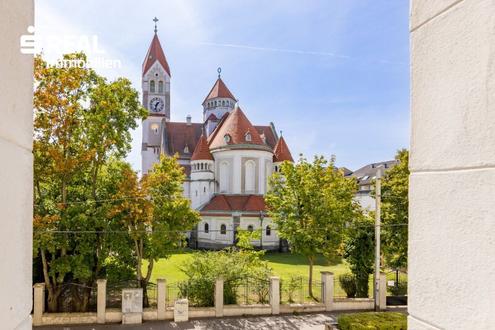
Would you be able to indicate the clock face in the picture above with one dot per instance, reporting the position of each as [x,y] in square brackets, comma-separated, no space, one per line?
[156,104]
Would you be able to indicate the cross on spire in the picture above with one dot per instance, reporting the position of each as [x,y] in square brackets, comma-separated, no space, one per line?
[219,70]
[155,20]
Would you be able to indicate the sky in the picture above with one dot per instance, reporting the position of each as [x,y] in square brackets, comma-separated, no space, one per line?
[333,75]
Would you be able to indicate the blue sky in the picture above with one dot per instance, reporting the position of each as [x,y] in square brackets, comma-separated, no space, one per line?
[333,75]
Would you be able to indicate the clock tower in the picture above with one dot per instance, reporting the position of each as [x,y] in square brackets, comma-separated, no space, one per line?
[156,98]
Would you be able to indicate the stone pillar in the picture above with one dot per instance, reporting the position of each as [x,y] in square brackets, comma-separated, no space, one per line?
[161,296]
[275,294]
[383,292]
[16,169]
[39,303]
[452,162]
[219,297]
[327,288]
[101,303]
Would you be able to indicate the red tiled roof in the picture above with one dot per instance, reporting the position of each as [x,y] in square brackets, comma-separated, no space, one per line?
[270,137]
[202,151]
[155,53]
[178,135]
[231,203]
[219,89]
[236,125]
[281,151]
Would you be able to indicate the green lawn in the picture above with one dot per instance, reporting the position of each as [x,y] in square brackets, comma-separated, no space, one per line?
[283,265]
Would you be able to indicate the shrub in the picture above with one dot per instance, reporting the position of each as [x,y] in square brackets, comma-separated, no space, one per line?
[348,284]
[400,289]
[234,266]
[291,286]
[373,321]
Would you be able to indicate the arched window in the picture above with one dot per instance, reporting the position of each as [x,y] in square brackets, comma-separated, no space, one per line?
[152,86]
[268,231]
[223,103]
[248,137]
[249,176]
[207,228]
[250,228]
[224,177]
[226,138]
[204,189]
[160,86]
[223,229]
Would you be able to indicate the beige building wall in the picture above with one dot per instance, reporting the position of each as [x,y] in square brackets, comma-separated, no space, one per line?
[16,169]
[452,186]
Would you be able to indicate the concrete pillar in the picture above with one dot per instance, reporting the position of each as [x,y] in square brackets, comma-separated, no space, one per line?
[161,296]
[101,303]
[39,303]
[383,291]
[275,294]
[219,297]
[16,169]
[327,288]
[452,162]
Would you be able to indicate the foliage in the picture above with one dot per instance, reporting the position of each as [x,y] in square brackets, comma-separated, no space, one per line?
[157,220]
[310,202]
[81,128]
[348,283]
[359,252]
[399,289]
[395,208]
[378,321]
[232,265]
[291,286]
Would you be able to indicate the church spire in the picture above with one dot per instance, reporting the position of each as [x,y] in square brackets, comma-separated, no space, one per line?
[155,53]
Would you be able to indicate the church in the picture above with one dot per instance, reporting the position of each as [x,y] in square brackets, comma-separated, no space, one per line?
[227,160]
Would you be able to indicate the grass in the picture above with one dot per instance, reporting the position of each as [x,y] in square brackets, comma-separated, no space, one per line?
[283,265]
[365,321]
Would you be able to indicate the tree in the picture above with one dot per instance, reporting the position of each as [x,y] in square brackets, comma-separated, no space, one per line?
[80,121]
[395,211]
[157,220]
[359,250]
[310,202]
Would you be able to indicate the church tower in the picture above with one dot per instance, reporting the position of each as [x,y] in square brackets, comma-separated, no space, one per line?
[156,98]
[218,102]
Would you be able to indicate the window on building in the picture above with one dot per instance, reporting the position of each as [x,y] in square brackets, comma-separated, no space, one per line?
[152,86]
[223,229]
[250,228]
[160,86]
[248,137]
[268,231]
[224,177]
[226,138]
[223,103]
[204,189]
[155,127]
[249,176]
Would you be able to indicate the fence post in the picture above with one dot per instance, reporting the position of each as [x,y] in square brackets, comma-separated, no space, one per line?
[275,294]
[383,291]
[327,288]
[161,296]
[219,297]
[39,303]
[101,303]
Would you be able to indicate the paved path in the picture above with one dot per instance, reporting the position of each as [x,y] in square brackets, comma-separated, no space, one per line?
[315,321]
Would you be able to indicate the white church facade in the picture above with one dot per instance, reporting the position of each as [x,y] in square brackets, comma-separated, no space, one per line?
[227,159]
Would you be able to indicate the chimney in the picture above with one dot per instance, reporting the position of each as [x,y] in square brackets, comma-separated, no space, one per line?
[188,120]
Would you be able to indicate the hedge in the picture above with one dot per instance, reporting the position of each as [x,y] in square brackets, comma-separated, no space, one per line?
[373,321]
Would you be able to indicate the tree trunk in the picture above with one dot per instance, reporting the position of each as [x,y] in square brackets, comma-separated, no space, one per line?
[310,283]
[53,294]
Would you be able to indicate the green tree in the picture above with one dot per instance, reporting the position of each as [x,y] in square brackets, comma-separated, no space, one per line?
[81,121]
[395,211]
[157,221]
[310,202]
[359,250]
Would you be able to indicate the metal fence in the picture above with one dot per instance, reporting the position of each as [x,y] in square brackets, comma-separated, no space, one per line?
[249,291]
[296,289]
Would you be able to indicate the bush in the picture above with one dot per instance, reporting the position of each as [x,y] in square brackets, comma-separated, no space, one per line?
[291,286]
[348,284]
[400,289]
[373,321]
[234,266]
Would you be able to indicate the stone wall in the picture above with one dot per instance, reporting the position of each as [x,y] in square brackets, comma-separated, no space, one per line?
[452,183]
[16,173]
